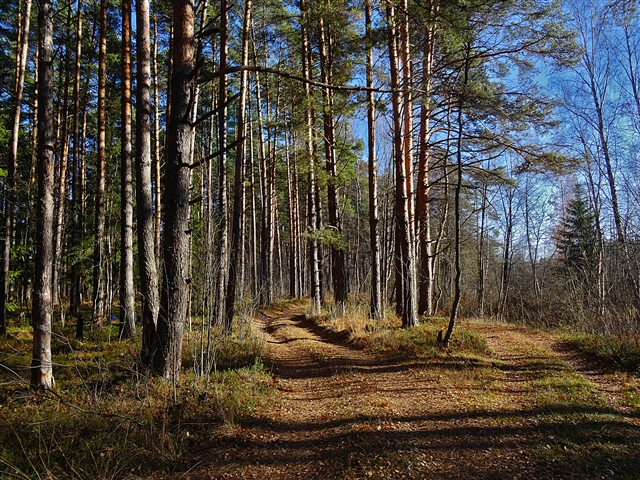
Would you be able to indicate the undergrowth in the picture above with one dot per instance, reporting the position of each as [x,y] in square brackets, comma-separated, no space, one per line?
[389,338]
[620,350]
[107,418]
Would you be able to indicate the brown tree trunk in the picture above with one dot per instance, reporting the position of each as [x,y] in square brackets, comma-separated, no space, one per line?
[75,239]
[223,201]
[147,226]
[173,306]
[157,157]
[423,211]
[127,291]
[12,163]
[312,204]
[238,231]
[41,366]
[62,180]
[337,252]
[376,310]
[406,259]
[294,222]
[99,307]
[266,237]
[254,223]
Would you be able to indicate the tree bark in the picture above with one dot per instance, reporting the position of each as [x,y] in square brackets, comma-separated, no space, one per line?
[407,285]
[99,307]
[41,366]
[223,202]
[127,291]
[337,252]
[12,163]
[266,237]
[238,231]
[423,210]
[312,203]
[376,310]
[173,306]
[156,170]
[146,222]
[76,237]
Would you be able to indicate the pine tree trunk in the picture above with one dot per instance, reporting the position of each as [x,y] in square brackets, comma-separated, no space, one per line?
[146,222]
[312,201]
[156,174]
[12,163]
[481,251]
[292,198]
[376,310]
[337,253]
[173,305]
[62,180]
[75,239]
[406,263]
[99,307]
[266,252]
[41,366]
[127,291]
[237,231]
[423,211]
[223,202]
[254,223]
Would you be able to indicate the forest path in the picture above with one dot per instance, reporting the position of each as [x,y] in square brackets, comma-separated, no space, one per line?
[522,412]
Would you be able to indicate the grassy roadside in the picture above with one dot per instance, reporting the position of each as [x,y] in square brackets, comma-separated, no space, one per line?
[535,416]
[106,419]
[498,404]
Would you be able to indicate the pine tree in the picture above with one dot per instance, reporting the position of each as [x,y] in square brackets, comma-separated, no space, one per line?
[577,240]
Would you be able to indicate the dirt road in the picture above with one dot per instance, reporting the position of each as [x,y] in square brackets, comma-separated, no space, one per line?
[534,408]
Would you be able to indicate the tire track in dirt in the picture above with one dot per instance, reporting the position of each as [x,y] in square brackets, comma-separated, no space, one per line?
[504,339]
[344,413]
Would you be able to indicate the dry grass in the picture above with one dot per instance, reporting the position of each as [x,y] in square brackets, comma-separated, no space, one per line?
[106,419]
[387,336]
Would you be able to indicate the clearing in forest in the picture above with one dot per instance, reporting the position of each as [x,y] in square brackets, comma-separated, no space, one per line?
[531,407]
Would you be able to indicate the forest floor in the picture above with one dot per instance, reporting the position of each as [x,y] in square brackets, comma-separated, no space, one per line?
[531,407]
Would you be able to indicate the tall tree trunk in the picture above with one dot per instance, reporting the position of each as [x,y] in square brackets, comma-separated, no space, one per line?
[503,293]
[376,306]
[62,184]
[157,157]
[312,201]
[173,306]
[254,223]
[127,291]
[294,219]
[407,261]
[266,240]
[423,210]
[75,240]
[41,366]
[223,201]
[144,195]
[99,307]
[237,231]
[337,252]
[457,214]
[480,292]
[12,163]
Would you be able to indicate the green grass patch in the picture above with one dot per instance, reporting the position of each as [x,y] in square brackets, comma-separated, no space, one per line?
[621,351]
[108,419]
[423,340]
